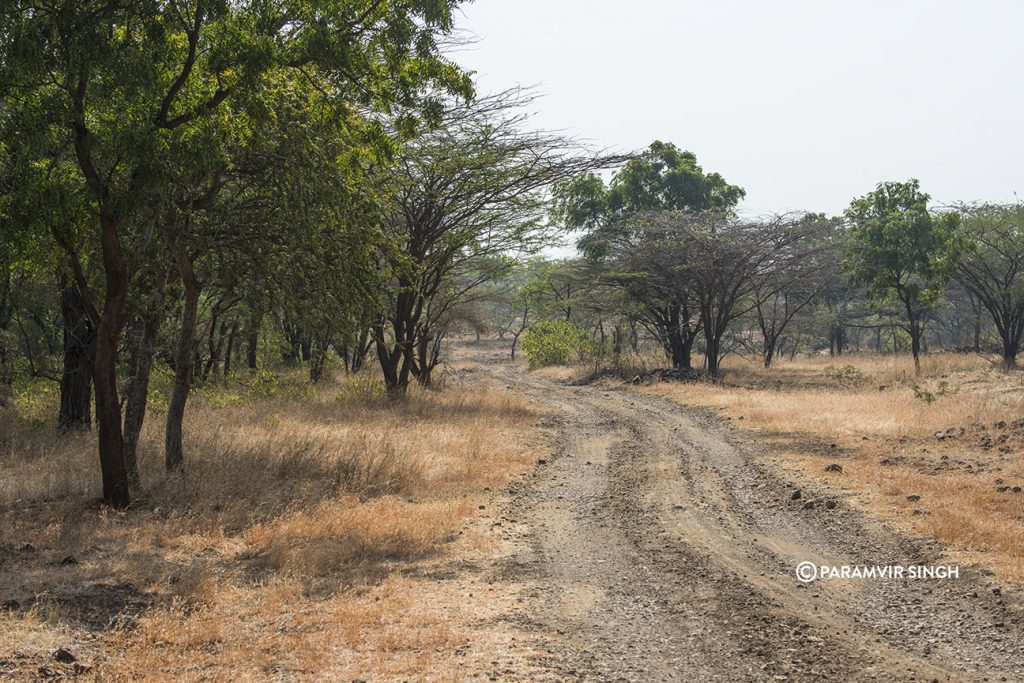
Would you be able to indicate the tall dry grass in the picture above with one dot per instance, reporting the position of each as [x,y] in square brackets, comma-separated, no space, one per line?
[254,562]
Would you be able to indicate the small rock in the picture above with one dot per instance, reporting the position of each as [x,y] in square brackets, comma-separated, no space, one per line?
[1000,425]
[809,505]
[830,504]
[913,498]
[834,467]
[68,561]
[542,461]
[64,656]
[483,507]
[10,605]
[940,435]
[997,591]
[796,495]
[28,548]
[919,512]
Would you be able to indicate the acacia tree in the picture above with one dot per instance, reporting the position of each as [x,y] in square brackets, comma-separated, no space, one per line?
[474,187]
[802,262]
[137,91]
[991,269]
[901,251]
[645,265]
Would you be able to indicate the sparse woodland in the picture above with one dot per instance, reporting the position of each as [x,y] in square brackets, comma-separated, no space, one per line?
[237,240]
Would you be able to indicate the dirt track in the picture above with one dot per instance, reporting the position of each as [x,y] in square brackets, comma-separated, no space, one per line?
[662,547]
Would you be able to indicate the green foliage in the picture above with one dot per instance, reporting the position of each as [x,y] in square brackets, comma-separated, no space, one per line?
[662,178]
[897,247]
[895,340]
[556,342]
[924,394]
[847,375]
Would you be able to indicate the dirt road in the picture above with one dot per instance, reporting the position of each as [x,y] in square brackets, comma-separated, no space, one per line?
[662,547]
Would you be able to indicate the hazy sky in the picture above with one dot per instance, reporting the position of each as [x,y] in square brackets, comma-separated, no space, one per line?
[804,104]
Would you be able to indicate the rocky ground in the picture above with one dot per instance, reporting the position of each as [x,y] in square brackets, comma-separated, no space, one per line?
[659,545]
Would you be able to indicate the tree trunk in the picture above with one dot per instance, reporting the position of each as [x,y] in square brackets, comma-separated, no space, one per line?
[251,344]
[183,368]
[360,352]
[232,337]
[76,379]
[137,390]
[110,438]
[712,355]
[915,339]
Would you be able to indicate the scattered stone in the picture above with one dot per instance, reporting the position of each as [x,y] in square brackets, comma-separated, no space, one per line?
[796,495]
[28,548]
[483,507]
[886,462]
[940,435]
[997,591]
[64,656]
[1000,425]
[830,505]
[834,467]
[1016,489]
[10,605]
[809,505]
[542,461]
[913,498]
[1002,489]
[68,561]
[918,512]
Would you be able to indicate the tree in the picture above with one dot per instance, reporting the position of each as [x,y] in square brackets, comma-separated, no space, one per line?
[991,269]
[901,251]
[801,267]
[146,95]
[645,265]
[473,188]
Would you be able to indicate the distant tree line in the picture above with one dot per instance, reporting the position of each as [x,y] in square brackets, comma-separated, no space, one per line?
[663,251]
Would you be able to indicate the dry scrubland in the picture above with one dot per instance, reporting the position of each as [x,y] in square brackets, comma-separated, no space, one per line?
[877,420]
[303,539]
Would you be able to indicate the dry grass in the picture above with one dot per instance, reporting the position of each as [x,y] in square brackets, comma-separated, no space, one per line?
[298,542]
[880,420]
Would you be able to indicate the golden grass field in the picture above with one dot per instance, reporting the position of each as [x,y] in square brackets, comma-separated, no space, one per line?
[300,541]
[878,420]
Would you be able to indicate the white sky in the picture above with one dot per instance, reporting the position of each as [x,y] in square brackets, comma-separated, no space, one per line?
[805,104]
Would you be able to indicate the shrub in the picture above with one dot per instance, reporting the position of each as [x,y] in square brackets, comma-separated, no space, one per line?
[847,375]
[556,342]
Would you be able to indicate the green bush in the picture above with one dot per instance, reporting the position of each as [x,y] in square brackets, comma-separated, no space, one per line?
[556,342]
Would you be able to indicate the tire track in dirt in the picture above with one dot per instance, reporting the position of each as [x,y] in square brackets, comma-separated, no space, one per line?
[664,548]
